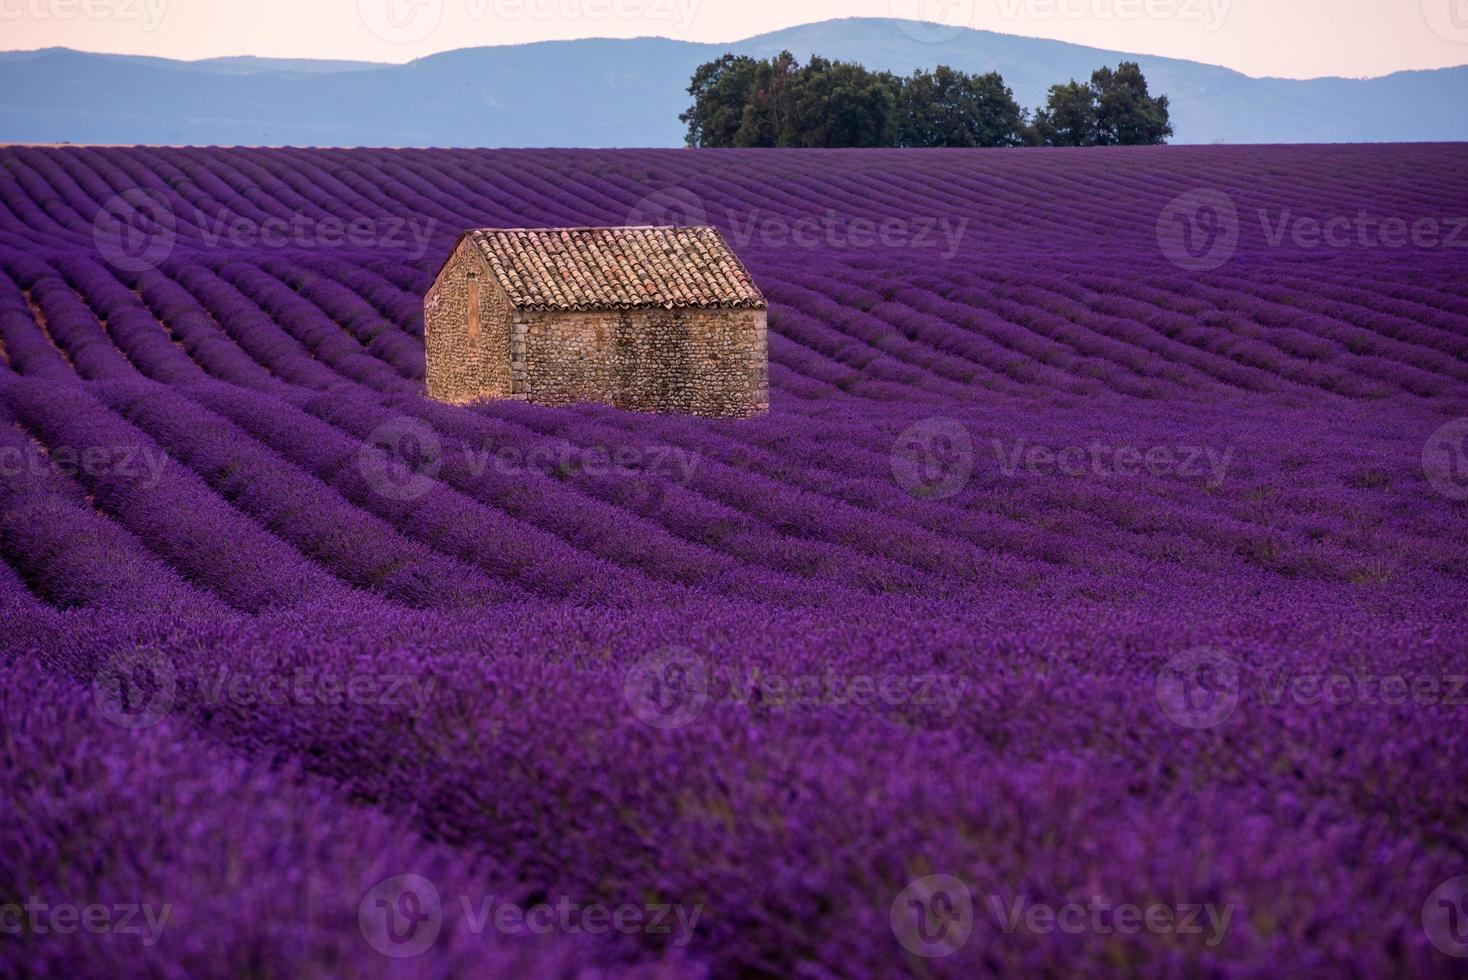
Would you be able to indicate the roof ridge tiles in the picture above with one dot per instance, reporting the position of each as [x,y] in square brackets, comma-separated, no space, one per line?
[617,267]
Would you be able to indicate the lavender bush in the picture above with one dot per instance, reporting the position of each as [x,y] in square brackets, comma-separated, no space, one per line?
[1092,601]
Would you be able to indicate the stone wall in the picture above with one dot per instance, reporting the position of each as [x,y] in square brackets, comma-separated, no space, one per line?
[695,361]
[463,363]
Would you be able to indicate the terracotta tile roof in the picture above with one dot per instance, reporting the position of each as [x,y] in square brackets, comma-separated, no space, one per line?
[616,268]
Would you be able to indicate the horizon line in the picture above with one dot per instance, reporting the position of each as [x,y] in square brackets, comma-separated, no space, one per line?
[713,44]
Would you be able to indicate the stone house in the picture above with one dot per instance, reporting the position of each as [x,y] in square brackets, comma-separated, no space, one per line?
[651,319]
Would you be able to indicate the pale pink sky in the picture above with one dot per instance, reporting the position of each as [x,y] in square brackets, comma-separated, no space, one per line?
[1292,38]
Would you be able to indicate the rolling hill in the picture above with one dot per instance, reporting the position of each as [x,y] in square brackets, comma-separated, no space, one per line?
[600,93]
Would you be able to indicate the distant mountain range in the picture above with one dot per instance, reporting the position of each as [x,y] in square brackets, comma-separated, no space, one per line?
[629,92]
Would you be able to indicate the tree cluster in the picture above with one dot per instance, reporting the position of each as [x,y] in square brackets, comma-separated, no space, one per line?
[744,101]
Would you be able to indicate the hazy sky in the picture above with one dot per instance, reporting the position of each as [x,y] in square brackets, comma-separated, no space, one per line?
[1294,38]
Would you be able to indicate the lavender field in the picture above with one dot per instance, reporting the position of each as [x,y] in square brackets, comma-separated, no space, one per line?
[1092,601]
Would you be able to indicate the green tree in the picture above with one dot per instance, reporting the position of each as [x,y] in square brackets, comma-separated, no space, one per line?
[769,109]
[742,101]
[840,103]
[1115,109]
[721,90]
[1126,115]
[947,107]
[1069,116]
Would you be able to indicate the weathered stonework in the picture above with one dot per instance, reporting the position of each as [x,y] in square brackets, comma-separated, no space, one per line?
[466,331]
[695,359]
